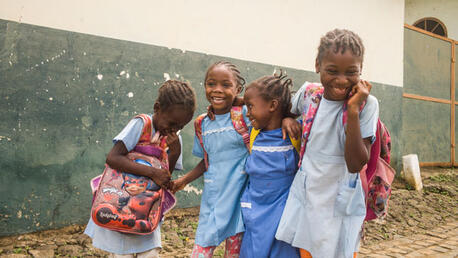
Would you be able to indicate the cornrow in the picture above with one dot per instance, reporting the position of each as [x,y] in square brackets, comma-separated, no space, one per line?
[340,40]
[174,92]
[275,87]
[235,71]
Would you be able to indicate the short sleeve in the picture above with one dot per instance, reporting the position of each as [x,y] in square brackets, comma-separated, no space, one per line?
[197,148]
[179,164]
[297,102]
[369,117]
[130,134]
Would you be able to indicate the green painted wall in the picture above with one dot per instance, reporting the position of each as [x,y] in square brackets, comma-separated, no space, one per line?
[65,95]
[426,125]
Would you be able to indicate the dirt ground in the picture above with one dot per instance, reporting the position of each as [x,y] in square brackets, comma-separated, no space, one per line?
[410,213]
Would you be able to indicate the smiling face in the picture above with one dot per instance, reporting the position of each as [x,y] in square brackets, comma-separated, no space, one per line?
[338,73]
[172,119]
[221,89]
[259,109]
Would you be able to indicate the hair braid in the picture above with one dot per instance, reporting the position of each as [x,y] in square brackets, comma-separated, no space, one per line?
[235,71]
[275,87]
[340,40]
[174,92]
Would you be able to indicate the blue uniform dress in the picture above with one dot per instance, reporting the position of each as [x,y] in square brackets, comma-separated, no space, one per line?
[325,208]
[224,181]
[271,168]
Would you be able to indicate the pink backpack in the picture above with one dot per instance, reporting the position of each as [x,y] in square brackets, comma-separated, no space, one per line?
[377,175]
[237,121]
[129,203]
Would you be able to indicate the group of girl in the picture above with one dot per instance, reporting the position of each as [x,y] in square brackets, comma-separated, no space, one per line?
[270,191]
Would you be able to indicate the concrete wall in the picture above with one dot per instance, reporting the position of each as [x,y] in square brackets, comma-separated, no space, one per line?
[283,33]
[73,75]
[444,10]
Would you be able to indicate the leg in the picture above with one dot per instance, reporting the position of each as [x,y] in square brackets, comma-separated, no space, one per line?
[112,255]
[233,245]
[153,253]
[202,252]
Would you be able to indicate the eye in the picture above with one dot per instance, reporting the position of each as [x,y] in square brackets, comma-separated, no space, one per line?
[352,73]
[331,71]
[227,85]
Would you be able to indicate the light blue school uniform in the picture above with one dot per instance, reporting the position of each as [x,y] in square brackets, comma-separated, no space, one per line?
[220,216]
[271,168]
[117,242]
[325,208]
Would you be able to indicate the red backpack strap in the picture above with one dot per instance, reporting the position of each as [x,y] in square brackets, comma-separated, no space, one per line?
[239,124]
[312,97]
[147,127]
[198,130]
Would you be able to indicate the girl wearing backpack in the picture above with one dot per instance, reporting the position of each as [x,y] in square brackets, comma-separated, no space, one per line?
[173,109]
[222,145]
[325,209]
[271,168]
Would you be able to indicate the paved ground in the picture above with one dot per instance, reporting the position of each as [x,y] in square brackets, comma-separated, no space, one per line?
[439,242]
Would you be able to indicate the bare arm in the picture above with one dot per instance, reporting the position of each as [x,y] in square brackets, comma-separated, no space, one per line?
[192,175]
[173,142]
[357,149]
[118,160]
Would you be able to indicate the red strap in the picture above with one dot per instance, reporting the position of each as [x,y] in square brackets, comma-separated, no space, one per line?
[198,131]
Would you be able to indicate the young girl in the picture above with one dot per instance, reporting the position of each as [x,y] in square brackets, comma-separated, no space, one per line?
[271,168]
[224,179]
[173,109]
[325,208]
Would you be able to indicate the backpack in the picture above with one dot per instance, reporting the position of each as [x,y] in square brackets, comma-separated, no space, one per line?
[237,121]
[377,175]
[129,203]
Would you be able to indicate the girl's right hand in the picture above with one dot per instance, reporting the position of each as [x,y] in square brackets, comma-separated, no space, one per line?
[177,185]
[161,177]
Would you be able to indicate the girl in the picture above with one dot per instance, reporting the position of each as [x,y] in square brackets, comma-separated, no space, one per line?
[325,208]
[224,179]
[271,168]
[173,109]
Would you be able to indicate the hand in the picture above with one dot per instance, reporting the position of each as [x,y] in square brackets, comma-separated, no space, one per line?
[161,177]
[173,142]
[359,94]
[177,185]
[291,127]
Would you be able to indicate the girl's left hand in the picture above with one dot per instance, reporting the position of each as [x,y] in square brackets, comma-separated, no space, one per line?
[173,142]
[359,94]
[291,127]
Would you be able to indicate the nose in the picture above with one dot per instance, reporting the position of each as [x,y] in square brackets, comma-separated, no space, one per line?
[341,80]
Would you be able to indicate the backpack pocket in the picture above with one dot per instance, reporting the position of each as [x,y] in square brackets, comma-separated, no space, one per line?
[350,197]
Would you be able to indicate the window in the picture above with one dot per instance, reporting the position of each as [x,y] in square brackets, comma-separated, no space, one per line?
[432,25]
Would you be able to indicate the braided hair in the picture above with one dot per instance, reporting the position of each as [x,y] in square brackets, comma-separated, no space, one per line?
[340,40]
[275,87]
[235,72]
[174,92]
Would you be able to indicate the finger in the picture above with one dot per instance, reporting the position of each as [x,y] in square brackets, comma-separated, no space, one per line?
[283,132]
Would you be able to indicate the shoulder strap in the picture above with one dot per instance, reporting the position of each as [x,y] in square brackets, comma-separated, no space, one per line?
[296,143]
[312,97]
[239,124]
[253,134]
[198,131]
[147,127]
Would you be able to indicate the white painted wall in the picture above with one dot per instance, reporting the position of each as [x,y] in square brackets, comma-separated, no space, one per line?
[283,33]
[444,10]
